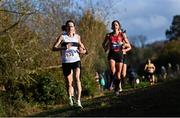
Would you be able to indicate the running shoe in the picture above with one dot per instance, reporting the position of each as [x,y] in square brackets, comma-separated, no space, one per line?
[120,90]
[79,104]
[71,101]
[120,87]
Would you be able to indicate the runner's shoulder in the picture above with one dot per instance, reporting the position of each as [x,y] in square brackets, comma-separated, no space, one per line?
[109,34]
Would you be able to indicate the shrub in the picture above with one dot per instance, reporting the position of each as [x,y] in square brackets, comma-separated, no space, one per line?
[2,109]
[47,89]
[89,85]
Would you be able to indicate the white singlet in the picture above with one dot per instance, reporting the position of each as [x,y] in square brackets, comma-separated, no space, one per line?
[71,54]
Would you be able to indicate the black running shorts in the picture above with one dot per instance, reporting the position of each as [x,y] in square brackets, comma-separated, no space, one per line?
[67,67]
[116,56]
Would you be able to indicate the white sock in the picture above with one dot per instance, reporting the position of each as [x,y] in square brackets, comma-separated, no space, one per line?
[120,85]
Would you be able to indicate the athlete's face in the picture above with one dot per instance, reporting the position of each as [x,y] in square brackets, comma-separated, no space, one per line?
[115,26]
[70,27]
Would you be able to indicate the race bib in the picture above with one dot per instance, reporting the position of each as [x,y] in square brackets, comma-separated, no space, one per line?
[70,53]
[116,45]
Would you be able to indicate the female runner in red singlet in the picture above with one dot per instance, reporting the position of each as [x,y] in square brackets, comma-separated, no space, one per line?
[113,42]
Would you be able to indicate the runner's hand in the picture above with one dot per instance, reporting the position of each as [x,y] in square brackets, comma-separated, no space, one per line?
[68,45]
[81,50]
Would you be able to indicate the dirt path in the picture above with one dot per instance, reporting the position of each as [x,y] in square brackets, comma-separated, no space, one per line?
[160,100]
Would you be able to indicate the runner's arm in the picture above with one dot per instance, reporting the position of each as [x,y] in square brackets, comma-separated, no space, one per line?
[81,48]
[154,67]
[56,46]
[145,67]
[128,45]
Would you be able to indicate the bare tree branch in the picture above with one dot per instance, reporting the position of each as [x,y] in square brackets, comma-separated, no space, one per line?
[15,12]
[16,23]
[12,44]
[10,27]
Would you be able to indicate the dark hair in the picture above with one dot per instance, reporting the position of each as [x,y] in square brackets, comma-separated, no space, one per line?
[63,27]
[70,21]
[116,22]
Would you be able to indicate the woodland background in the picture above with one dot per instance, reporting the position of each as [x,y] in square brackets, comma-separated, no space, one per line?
[30,73]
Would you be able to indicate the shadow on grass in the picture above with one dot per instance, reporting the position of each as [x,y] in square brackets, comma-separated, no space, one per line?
[159,100]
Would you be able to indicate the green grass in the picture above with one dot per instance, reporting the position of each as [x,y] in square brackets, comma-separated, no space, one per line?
[142,84]
[158,100]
